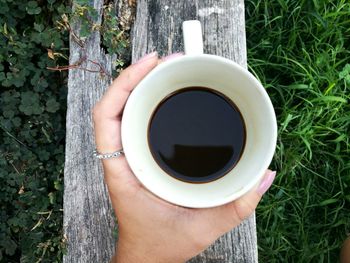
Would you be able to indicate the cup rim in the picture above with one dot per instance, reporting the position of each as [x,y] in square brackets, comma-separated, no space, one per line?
[220,200]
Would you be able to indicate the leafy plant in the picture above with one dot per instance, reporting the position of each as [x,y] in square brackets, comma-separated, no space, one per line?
[33,42]
[32,124]
[114,39]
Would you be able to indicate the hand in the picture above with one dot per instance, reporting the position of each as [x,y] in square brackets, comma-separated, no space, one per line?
[150,229]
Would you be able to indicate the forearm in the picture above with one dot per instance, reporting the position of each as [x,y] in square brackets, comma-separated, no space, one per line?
[129,254]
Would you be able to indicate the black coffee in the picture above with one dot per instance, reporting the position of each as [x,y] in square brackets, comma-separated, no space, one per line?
[196,135]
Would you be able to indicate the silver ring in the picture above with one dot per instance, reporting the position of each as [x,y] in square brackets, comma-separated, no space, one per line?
[115,154]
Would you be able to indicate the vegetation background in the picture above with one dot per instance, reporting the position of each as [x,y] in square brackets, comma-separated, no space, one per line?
[300,52]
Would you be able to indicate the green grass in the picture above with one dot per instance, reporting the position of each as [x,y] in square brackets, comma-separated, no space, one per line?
[300,50]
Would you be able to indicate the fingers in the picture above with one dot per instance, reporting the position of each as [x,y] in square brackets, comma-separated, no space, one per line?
[232,214]
[107,121]
[243,207]
[171,56]
[246,205]
[113,102]
[107,112]
[107,115]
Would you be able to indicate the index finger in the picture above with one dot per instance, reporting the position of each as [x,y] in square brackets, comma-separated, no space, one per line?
[113,101]
[107,112]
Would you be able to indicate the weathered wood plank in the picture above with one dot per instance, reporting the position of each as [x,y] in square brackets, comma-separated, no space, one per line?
[88,216]
[158,27]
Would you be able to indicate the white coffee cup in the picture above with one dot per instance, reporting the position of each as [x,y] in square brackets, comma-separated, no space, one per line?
[196,69]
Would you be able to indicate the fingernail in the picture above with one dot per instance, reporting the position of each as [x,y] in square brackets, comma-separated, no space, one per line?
[266,182]
[175,55]
[147,57]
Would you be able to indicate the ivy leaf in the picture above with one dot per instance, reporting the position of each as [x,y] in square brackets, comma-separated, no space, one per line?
[18,80]
[16,121]
[30,103]
[43,155]
[39,27]
[4,8]
[82,2]
[6,83]
[52,105]
[2,76]
[10,246]
[32,8]
[85,29]
[9,114]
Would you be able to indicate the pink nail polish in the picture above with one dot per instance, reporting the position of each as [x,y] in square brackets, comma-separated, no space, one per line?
[147,57]
[266,182]
[175,55]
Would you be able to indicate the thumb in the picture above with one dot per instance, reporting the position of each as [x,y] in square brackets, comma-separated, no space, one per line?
[228,216]
[245,206]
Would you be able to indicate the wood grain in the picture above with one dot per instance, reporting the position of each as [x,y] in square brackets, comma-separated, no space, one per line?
[88,217]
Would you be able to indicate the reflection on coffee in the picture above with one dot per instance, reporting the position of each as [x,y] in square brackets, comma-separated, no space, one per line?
[196,135]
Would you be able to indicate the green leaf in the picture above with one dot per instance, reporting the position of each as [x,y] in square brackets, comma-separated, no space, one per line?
[328,202]
[52,198]
[38,27]
[32,8]
[52,105]
[299,86]
[16,121]
[9,114]
[32,4]
[83,2]
[58,186]
[30,103]
[4,8]
[18,81]
[345,73]
[10,246]
[2,76]
[330,99]
[85,29]
[43,155]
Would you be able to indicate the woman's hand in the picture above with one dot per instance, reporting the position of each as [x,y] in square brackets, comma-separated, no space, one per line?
[150,229]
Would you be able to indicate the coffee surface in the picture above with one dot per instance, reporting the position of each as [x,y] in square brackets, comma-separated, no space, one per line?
[196,135]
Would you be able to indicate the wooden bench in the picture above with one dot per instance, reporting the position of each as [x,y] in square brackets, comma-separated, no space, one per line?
[89,224]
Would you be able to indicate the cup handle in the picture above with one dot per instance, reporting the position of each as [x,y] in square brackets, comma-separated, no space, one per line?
[192,34]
